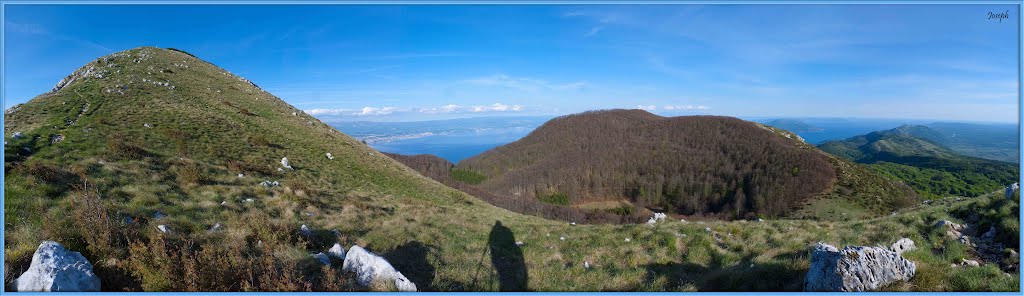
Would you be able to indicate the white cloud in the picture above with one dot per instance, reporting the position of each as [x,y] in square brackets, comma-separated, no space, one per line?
[373,111]
[497,107]
[647,107]
[686,107]
[450,108]
[328,111]
[593,31]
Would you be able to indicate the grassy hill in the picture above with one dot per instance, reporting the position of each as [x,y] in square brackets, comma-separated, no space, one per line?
[153,136]
[910,154]
[703,165]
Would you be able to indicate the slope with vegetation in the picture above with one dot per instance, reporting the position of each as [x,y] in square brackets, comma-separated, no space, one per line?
[151,137]
[907,153]
[706,165]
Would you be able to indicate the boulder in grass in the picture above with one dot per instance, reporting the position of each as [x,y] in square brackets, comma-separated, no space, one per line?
[55,269]
[903,245]
[337,251]
[285,164]
[322,258]
[370,268]
[855,269]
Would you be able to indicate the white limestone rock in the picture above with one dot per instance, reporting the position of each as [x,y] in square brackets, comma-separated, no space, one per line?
[369,267]
[337,251]
[855,269]
[284,163]
[55,269]
[903,245]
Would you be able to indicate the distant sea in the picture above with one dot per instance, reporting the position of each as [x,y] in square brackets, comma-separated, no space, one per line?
[458,139]
[453,140]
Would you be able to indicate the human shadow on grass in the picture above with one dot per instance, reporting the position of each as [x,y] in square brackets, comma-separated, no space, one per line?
[507,259]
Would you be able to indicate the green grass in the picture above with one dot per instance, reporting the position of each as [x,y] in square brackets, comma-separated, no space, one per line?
[439,237]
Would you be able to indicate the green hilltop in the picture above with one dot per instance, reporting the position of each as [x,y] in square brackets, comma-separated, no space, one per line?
[911,154]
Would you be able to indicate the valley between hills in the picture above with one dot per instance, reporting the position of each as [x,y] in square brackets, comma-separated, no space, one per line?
[168,173]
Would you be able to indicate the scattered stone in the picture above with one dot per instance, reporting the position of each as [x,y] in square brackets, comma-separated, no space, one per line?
[305,231]
[657,217]
[628,240]
[903,245]
[760,220]
[321,258]
[682,220]
[953,230]
[337,251]
[561,238]
[250,200]
[855,269]
[55,269]
[147,125]
[971,263]
[284,163]
[572,223]
[369,267]
[16,135]
[267,183]
[158,215]
[586,264]
[280,169]
[216,227]
[329,156]
[707,229]
[1010,189]
[520,243]
[224,203]
[163,228]
[241,175]
[56,139]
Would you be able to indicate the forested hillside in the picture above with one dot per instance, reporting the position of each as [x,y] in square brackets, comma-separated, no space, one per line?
[687,165]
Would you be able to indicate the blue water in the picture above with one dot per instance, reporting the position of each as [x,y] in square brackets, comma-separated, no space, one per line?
[453,140]
[457,146]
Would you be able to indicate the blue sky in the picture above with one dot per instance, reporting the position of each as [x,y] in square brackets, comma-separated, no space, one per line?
[391,62]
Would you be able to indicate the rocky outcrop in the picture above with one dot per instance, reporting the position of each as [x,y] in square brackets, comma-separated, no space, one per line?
[370,268]
[855,269]
[55,269]
[955,231]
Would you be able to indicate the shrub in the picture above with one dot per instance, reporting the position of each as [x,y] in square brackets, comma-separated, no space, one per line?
[124,148]
[189,175]
[467,176]
[556,198]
